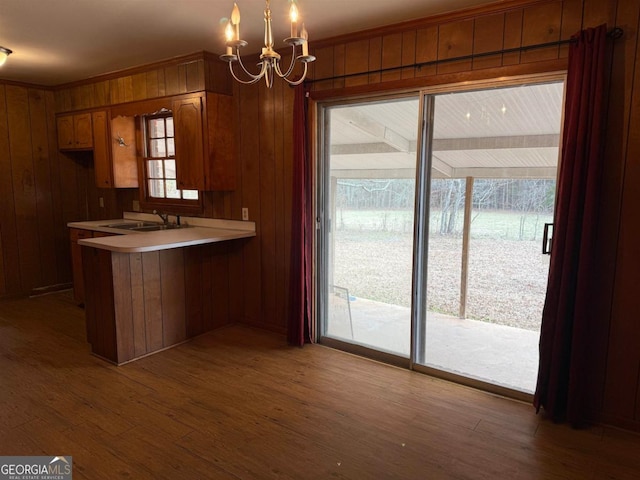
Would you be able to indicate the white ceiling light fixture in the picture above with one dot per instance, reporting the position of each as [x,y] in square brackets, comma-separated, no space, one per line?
[269,59]
[4,53]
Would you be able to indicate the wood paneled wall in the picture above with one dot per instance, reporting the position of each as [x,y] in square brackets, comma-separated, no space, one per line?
[38,193]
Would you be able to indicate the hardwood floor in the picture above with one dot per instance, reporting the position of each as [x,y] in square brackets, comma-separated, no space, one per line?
[238,403]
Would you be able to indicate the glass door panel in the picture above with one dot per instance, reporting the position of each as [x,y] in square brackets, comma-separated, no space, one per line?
[494,157]
[369,173]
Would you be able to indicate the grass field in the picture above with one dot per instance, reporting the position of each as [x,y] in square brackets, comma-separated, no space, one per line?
[507,276]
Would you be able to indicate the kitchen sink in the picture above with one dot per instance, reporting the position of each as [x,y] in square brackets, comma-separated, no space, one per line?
[156,226]
[144,226]
[131,225]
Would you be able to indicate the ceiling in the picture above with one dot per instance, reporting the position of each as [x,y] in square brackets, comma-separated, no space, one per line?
[60,41]
[510,132]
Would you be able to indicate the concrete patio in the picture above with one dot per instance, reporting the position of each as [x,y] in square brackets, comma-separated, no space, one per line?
[496,354]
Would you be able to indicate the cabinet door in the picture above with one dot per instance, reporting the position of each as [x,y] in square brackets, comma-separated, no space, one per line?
[101,150]
[65,132]
[82,130]
[124,163]
[187,118]
[221,153]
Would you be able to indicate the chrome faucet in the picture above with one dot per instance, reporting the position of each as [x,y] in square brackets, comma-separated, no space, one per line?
[163,216]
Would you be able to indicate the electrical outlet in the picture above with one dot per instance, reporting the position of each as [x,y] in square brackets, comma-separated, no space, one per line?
[136,206]
[101,201]
[245,214]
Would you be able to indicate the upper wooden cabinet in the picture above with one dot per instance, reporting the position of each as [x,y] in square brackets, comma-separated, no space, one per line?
[114,151]
[204,138]
[102,150]
[75,132]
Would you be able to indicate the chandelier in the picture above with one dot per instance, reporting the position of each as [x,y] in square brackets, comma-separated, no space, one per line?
[269,59]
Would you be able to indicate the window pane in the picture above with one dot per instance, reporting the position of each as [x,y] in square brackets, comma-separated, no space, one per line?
[170,127]
[156,188]
[158,148]
[190,194]
[171,148]
[172,189]
[154,168]
[156,128]
[170,169]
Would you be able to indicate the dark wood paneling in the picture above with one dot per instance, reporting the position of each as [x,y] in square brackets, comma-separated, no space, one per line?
[218,285]
[409,53]
[137,304]
[139,82]
[391,56]
[487,38]
[250,156]
[283,190]
[152,296]
[24,188]
[541,24]
[268,214]
[123,306]
[455,39]
[426,50]
[339,66]
[174,326]
[512,36]
[196,286]
[8,230]
[323,67]
[623,366]
[375,59]
[357,61]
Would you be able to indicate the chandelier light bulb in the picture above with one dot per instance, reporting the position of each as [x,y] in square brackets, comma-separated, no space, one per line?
[293,15]
[235,20]
[305,44]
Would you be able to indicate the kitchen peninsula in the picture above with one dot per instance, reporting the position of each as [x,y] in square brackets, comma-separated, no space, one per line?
[143,290]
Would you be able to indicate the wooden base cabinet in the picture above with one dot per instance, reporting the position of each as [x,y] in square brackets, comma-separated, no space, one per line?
[141,303]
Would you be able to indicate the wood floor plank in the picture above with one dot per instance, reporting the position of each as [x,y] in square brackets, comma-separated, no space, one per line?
[238,403]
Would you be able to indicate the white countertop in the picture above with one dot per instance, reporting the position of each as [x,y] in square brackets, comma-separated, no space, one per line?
[200,231]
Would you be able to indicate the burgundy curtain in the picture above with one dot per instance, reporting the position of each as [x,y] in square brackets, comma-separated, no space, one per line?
[299,324]
[567,320]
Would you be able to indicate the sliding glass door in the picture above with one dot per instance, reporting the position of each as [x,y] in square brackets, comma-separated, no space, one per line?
[369,193]
[432,213]
[492,182]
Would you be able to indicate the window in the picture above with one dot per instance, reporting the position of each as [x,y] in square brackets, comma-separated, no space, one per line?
[159,161]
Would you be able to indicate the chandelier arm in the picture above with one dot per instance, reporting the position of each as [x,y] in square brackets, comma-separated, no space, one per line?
[300,80]
[249,74]
[291,65]
[254,78]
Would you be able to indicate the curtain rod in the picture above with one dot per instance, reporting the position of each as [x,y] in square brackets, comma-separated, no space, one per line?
[614,34]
